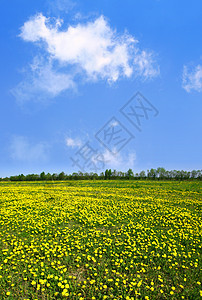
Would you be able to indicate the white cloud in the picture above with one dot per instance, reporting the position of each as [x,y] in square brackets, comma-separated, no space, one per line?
[145,65]
[114,124]
[92,50]
[192,78]
[42,81]
[94,47]
[117,161]
[73,142]
[61,5]
[22,150]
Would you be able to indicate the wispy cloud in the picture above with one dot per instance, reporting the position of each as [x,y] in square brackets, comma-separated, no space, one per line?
[145,65]
[114,124]
[21,149]
[92,50]
[117,161]
[73,143]
[61,5]
[42,80]
[192,78]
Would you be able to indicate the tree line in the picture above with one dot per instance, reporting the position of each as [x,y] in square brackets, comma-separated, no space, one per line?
[152,174]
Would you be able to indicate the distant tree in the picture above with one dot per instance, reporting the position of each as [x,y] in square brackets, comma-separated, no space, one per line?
[75,176]
[32,177]
[142,175]
[94,176]
[161,173]
[54,176]
[61,176]
[199,174]
[193,174]
[48,176]
[151,174]
[6,179]
[108,174]
[129,174]
[121,175]
[86,176]
[102,176]
[21,177]
[114,174]
[43,176]
[81,175]
[13,178]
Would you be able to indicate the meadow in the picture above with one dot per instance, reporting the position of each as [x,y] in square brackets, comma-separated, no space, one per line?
[100,240]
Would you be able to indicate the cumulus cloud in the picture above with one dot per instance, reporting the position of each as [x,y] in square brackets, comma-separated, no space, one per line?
[73,143]
[94,46]
[92,50]
[22,150]
[192,78]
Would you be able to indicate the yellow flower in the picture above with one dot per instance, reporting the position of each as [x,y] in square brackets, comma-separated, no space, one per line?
[139,283]
[64,291]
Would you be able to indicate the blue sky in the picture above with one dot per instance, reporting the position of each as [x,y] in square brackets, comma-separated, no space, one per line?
[67,69]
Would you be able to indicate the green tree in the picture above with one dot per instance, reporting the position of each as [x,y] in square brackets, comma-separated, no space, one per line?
[142,175]
[129,174]
[161,173]
[151,174]
[61,176]
[43,176]
[106,174]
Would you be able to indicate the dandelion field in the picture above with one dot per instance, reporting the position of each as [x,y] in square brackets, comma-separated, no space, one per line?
[100,240]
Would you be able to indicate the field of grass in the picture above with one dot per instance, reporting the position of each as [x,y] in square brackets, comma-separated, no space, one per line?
[100,240]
